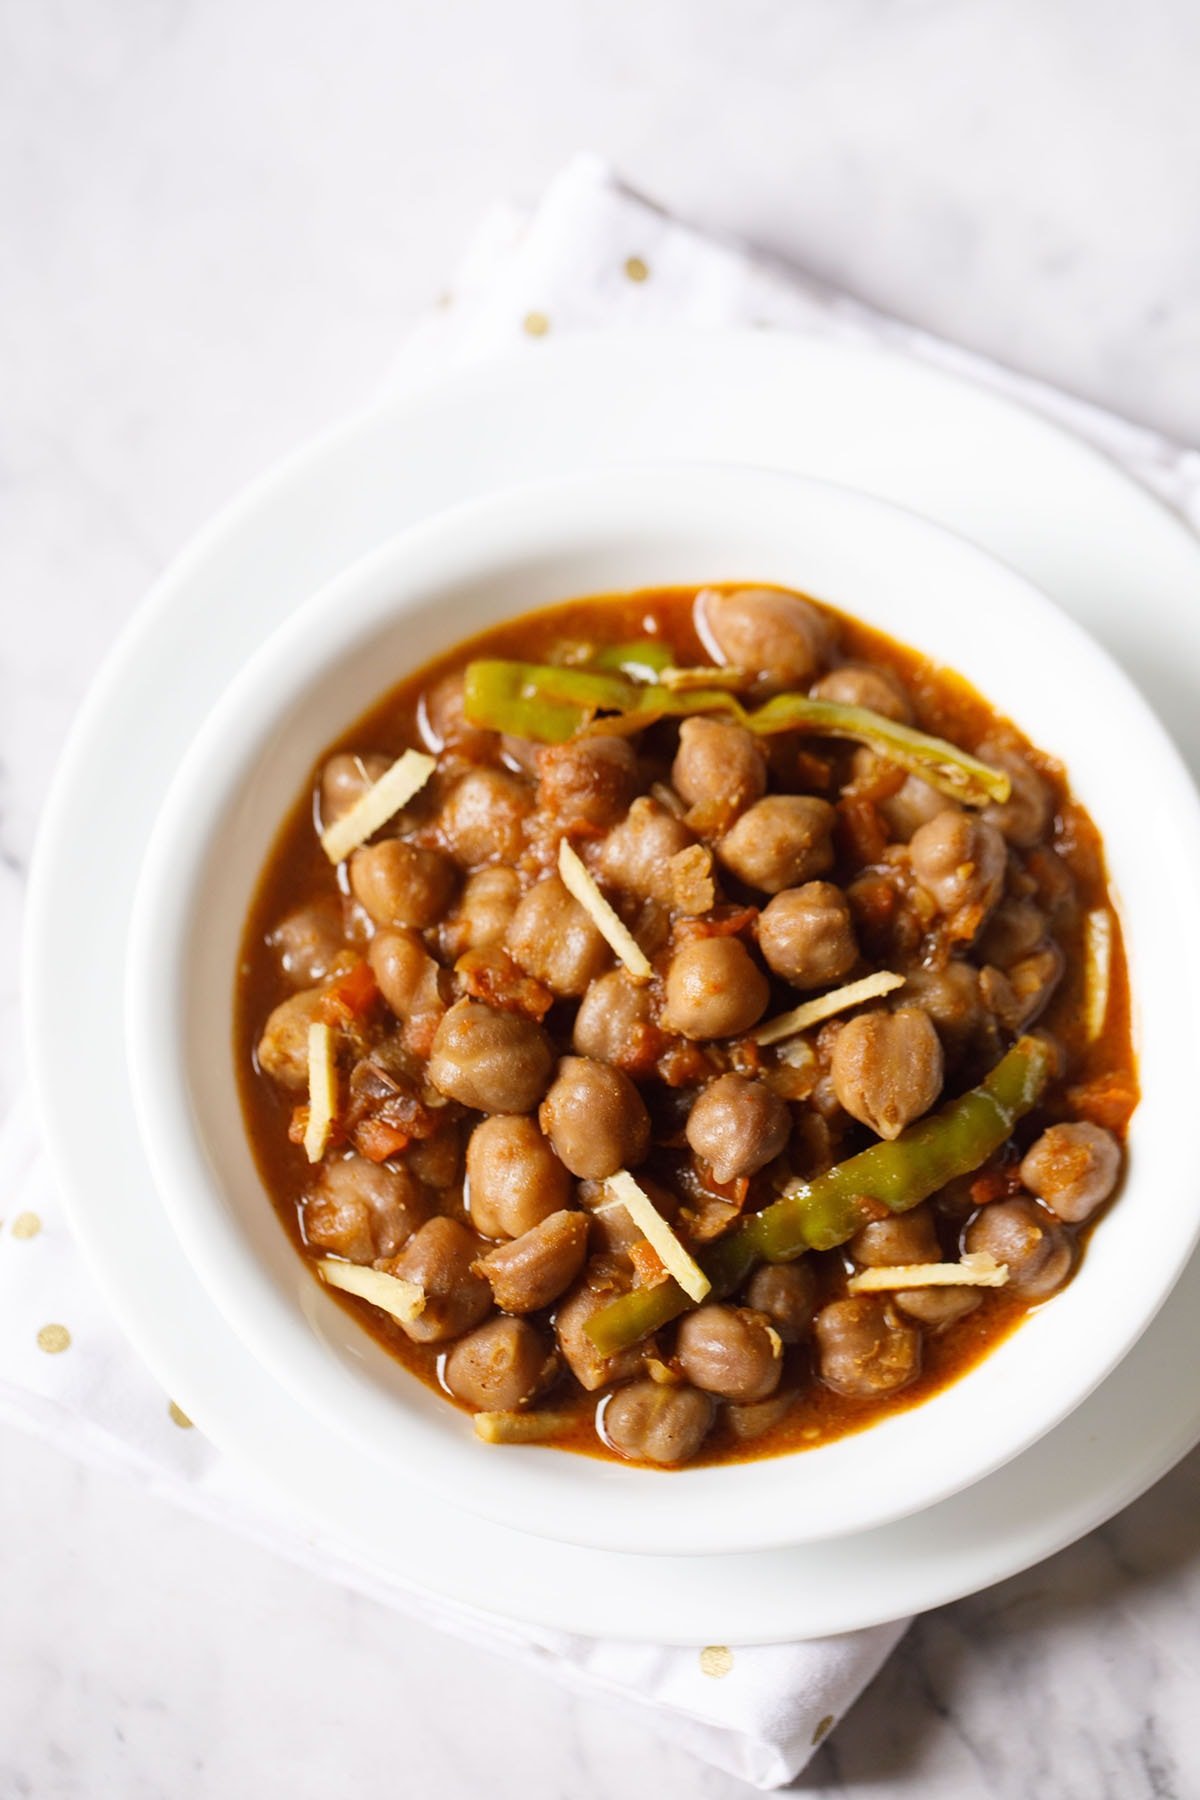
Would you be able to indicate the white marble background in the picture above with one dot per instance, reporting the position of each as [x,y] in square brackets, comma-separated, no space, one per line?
[216,218]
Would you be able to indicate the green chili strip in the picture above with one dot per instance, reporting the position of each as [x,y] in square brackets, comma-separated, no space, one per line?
[549,704]
[644,659]
[819,1214]
[540,700]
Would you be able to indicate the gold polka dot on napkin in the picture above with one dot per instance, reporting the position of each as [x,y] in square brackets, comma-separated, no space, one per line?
[53,1338]
[716,1660]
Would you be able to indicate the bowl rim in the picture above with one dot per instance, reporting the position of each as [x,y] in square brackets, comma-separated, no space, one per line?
[389,581]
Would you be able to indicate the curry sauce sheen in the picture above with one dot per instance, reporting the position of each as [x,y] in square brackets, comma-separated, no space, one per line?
[1060,876]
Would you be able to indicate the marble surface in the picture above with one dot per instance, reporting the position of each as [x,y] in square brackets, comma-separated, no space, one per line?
[217,221]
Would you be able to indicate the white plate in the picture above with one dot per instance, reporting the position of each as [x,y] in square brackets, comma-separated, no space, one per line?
[1073,523]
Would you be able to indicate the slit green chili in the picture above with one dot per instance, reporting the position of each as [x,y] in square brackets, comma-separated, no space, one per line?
[825,1212]
[550,704]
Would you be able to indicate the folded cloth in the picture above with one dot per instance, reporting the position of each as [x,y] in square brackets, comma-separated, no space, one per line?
[592,256]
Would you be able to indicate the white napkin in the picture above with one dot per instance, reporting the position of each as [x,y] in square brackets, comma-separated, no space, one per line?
[592,256]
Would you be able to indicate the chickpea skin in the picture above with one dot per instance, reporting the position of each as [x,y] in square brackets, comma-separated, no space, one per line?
[887,1068]
[556,941]
[959,860]
[1024,817]
[767,632]
[283,1047]
[737,1126]
[538,1266]
[879,689]
[714,989]
[500,1365]
[1073,1168]
[485,908]
[309,941]
[399,883]
[780,842]
[720,764]
[483,817]
[730,1351]
[807,936]
[635,854]
[786,1294]
[493,1061]
[612,1015]
[588,780]
[514,1179]
[863,1349]
[363,1210]
[345,779]
[438,1259]
[1037,1252]
[595,1118]
[659,1424]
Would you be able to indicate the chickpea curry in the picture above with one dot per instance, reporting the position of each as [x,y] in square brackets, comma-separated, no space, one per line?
[686,1026]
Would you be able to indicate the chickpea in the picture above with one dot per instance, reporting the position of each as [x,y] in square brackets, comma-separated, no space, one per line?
[766,631]
[398,883]
[612,1015]
[595,1118]
[714,989]
[719,764]
[936,1307]
[781,841]
[754,1421]
[500,1365]
[807,936]
[309,941]
[1073,1168]
[612,1229]
[443,720]
[493,1061]
[731,1351]
[909,1237]
[485,908]
[786,1294]
[1017,995]
[737,1126]
[538,1266]
[514,1179]
[344,780]
[596,1287]
[1039,1254]
[483,817]
[863,1350]
[555,941]
[960,861]
[877,688]
[409,978]
[363,1210]
[588,779]
[950,996]
[635,854]
[911,806]
[1015,928]
[651,1422]
[283,1047]
[1024,817]
[437,1160]
[887,1068]
[439,1258]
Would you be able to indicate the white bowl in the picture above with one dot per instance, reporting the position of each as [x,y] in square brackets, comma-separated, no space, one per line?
[609,531]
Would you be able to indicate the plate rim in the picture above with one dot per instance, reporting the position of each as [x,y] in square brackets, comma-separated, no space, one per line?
[224,527]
